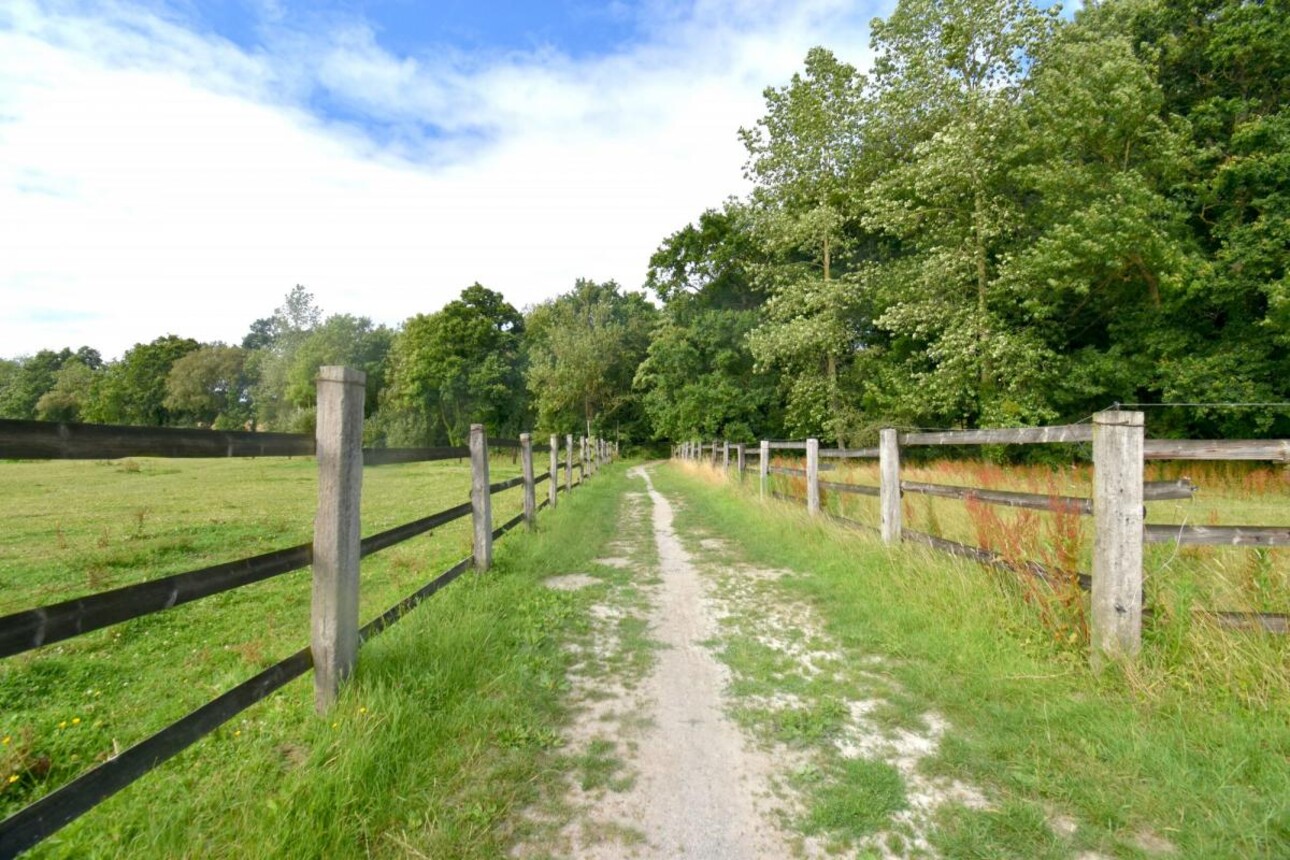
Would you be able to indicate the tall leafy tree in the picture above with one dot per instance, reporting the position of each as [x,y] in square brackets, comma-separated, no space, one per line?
[462,365]
[698,378]
[804,155]
[133,390]
[584,348]
[947,82]
[211,386]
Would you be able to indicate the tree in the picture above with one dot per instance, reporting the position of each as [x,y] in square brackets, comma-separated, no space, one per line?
[462,365]
[133,390]
[30,378]
[804,155]
[275,341]
[584,348]
[72,392]
[947,81]
[210,386]
[341,339]
[698,376]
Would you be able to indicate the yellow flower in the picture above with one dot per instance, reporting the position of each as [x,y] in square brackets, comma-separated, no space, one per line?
[362,710]
[76,721]
[7,738]
[237,734]
[334,725]
[63,724]
[13,777]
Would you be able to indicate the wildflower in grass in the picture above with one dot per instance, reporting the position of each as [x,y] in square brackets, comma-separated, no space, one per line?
[76,721]
[362,710]
[7,738]
[63,724]
[237,733]
[13,777]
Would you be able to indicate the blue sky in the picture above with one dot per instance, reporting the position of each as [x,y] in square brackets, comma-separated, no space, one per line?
[176,166]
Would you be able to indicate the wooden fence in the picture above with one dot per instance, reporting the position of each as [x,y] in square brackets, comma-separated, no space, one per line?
[1120,450]
[334,554]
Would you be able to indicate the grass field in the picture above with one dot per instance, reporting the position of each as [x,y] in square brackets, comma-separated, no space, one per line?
[1188,754]
[76,528]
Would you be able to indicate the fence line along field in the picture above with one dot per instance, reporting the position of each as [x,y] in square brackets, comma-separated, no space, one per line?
[91,575]
[75,528]
[1214,580]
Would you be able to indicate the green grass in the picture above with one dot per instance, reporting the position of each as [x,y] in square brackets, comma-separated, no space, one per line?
[442,733]
[1172,750]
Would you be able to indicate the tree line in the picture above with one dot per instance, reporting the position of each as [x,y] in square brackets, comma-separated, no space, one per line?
[563,364]
[1012,219]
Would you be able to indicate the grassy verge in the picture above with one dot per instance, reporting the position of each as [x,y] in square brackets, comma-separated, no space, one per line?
[1138,765]
[441,734]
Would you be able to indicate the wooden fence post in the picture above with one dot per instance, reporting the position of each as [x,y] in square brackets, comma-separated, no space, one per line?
[481,501]
[530,494]
[553,481]
[337,530]
[889,484]
[739,460]
[568,462]
[813,476]
[764,469]
[725,457]
[1117,541]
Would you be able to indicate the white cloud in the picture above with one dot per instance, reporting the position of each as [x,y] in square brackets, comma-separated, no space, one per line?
[156,180]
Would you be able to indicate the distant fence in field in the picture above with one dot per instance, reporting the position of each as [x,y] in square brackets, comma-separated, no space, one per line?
[334,554]
[1120,450]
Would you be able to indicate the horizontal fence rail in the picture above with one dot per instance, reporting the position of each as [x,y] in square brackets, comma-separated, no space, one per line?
[44,440]
[1256,536]
[1117,506]
[45,625]
[856,489]
[1006,436]
[1274,450]
[506,485]
[1034,501]
[850,453]
[388,456]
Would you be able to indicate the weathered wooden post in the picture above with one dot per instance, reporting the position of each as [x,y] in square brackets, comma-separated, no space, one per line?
[725,457]
[763,470]
[813,476]
[582,455]
[530,489]
[739,460]
[481,500]
[889,484]
[337,530]
[568,462]
[1118,516]
[553,481]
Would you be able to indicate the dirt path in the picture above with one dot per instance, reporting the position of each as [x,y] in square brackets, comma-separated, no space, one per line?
[684,635]
[703,790]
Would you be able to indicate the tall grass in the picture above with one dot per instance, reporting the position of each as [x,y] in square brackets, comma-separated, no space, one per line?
[1192,745]
[1186,647]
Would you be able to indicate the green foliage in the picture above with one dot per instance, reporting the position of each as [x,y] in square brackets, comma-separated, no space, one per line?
[71,394]
[461,365]
[24,381]
[133,390]
[211,386]
[584,348]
